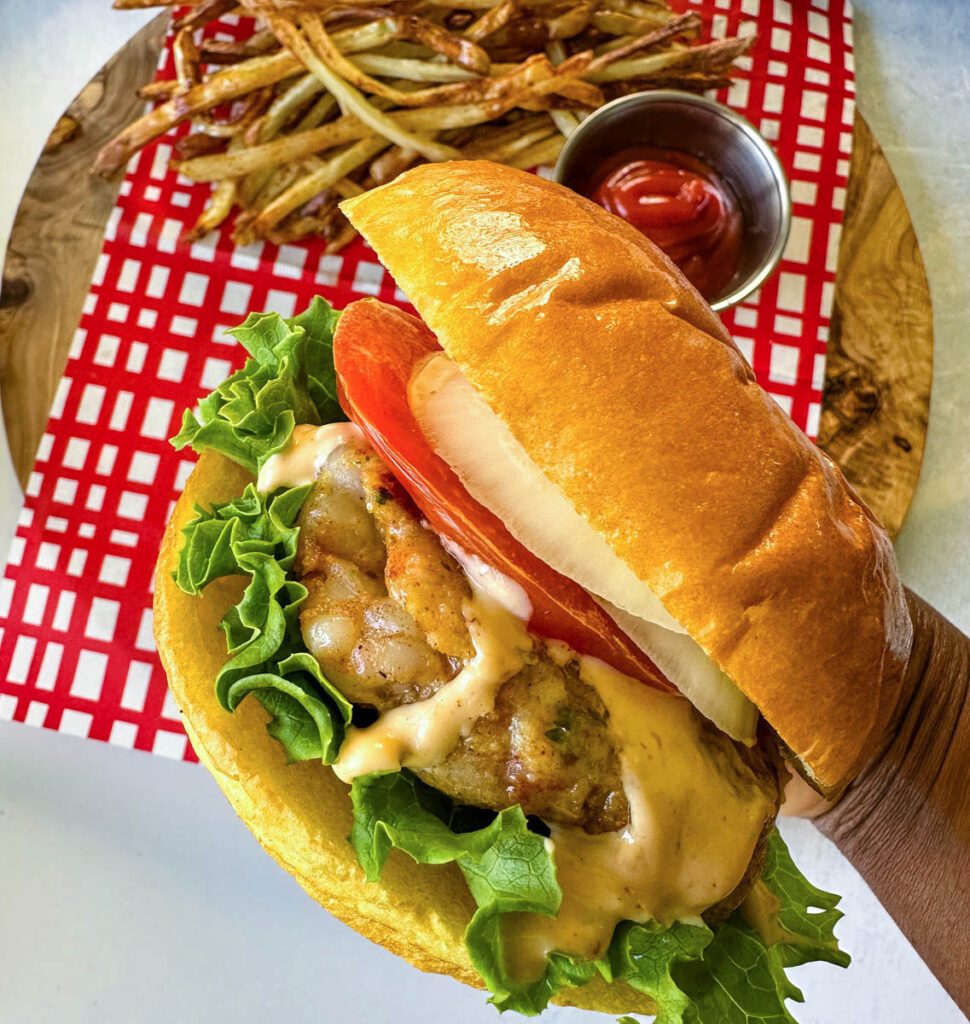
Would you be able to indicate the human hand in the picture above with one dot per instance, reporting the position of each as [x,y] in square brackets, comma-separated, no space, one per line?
[904,821]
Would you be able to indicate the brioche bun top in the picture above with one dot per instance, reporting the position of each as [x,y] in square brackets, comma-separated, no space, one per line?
[627,393]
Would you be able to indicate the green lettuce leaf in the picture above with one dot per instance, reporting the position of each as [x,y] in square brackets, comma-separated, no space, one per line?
[696,974]
[508,869]
[288,379]
[217,538]
[646,956]
[255,535]
[807,913]
[730,974]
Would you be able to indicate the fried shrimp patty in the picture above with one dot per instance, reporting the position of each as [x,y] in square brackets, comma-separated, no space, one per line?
[385,618]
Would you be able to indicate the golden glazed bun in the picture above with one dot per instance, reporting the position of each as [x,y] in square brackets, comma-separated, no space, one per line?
[301,813]
[625,390]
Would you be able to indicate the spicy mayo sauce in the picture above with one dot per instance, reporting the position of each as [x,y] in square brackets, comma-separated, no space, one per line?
[681,205]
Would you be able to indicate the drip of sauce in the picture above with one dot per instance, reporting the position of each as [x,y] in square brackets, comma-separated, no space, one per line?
[695,818]
[760,910]
[681,205]
[695,812]
[422,734]
[509,594]
[308,449]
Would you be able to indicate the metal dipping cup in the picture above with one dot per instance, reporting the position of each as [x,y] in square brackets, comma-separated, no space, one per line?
[710,132]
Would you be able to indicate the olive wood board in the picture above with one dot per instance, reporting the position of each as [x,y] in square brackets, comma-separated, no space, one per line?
[880,350]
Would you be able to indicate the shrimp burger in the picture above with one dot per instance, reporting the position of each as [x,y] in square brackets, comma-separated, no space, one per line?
[503,628]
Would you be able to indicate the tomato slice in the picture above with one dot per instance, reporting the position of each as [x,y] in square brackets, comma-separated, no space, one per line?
[375,350]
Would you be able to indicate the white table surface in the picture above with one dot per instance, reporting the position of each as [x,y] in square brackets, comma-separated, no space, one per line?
[129,891]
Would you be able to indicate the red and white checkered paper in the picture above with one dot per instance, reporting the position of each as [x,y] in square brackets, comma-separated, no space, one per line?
[76,647]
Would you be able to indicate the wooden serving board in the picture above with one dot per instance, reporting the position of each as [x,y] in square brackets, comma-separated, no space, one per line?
[880,351]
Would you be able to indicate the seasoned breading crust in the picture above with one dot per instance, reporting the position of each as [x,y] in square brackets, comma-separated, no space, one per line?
[380,622]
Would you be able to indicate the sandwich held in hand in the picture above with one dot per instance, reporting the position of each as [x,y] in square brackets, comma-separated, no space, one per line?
[536,601]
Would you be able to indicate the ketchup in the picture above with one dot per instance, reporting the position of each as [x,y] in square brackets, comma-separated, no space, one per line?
[681,205]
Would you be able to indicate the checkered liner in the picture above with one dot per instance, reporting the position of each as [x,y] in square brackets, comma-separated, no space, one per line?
[76,647]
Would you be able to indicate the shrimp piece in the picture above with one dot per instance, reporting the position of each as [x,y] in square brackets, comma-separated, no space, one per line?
[419,573]
[384,611]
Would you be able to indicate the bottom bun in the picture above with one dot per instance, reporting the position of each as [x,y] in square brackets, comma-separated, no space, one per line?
[301,813]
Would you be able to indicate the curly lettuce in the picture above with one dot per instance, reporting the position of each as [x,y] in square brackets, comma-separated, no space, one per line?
[255,535]
[728,973]
[288,379]
[507,866]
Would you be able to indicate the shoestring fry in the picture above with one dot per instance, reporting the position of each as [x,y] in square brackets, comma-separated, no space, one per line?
[327,98]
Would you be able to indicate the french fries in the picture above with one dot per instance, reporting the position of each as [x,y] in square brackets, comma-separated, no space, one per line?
[219,88]
[326,98]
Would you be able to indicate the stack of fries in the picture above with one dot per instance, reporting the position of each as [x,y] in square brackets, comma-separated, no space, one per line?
[327,98]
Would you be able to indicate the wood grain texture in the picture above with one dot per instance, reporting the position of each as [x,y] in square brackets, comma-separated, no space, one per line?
[56,239]
[879,364]
[877,387]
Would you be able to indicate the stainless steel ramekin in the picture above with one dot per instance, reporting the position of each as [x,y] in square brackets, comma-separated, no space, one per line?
[708,131]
